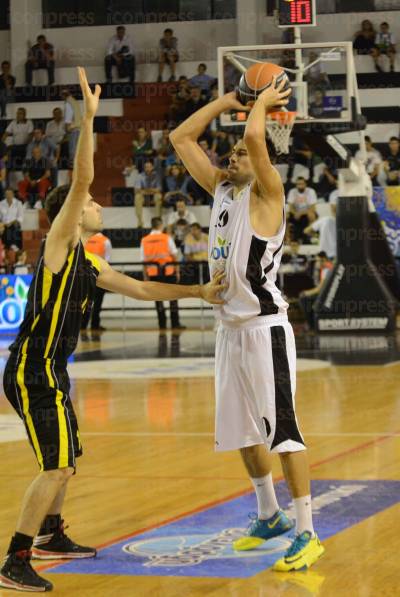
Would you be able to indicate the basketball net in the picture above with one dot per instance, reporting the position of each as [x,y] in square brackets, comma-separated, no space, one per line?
[279,126]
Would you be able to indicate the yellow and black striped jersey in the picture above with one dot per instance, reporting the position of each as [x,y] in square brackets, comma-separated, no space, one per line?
[56,304]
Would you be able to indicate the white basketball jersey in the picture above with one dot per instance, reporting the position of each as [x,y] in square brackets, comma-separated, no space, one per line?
[250,261]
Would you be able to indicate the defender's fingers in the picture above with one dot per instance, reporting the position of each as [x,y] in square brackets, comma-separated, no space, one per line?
[97,91]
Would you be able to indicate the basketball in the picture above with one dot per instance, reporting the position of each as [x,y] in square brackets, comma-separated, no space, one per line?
[257,78]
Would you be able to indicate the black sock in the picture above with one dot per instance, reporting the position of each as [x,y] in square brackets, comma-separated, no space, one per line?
[51,524]
[20,542]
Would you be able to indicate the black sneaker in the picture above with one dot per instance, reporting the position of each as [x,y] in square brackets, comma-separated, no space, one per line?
[59,546]
[18,574]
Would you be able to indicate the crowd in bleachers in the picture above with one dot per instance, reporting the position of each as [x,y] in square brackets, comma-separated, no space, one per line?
[156,173]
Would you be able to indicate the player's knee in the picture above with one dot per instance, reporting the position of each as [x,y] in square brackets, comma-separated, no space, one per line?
[59,475]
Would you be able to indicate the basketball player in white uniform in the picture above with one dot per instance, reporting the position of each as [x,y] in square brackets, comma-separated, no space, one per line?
[255,378]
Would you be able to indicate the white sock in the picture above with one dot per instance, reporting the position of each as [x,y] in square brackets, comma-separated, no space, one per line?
[303,512]
[266,498]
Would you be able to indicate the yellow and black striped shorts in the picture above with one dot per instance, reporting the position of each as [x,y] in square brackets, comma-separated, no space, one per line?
[39,392]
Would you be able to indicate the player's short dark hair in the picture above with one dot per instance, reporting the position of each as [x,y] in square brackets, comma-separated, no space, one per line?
[155,222]
[55,200]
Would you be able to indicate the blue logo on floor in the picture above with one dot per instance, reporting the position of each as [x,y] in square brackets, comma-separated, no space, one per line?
[200,545]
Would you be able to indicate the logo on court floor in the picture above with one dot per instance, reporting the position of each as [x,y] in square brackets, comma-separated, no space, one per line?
[200,544]
[191,550]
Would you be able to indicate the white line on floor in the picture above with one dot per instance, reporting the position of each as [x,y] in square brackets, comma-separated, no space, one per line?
[205,434]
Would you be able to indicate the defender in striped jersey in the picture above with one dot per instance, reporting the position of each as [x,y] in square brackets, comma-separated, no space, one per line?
[255,363]
[36,380]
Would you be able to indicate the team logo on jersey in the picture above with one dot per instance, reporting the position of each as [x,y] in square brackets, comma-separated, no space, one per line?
[223,218]
[221,251]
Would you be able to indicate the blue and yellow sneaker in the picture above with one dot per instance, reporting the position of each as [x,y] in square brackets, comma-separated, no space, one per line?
[303,553]
[262,530]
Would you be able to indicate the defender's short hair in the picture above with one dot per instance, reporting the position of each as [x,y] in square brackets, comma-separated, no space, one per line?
[55,200]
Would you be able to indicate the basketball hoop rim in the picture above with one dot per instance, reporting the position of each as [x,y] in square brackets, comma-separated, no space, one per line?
[282,117]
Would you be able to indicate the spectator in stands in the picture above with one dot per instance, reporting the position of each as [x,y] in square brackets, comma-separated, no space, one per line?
[48,150]
[308,297]
[11,217]
[202,79]
[72,121]
[196,251]
[3,177]
[100,245]
[142,148]
[316,76]
[176,182]
[222,147]
[316,108]
[181,213]
[21,266]
[168,54]
[20,131]
[148,190]
[291,258]
[210,153]
[7,86]
[301,213]
[391,163]
[120,53]
[164,150]
[159,248]
[231,76]
[36,180]
[41,55]
[364,40]
[131,174]
[195,101]
[55,132]
[385,43]
[198,195]
[374,159]
[179,232]
[333,197]
[326,227]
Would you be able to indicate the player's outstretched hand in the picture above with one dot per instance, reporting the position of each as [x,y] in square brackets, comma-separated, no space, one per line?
[91,100]
[211,292]
[275,96]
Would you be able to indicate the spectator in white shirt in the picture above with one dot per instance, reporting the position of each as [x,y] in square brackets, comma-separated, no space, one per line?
[131,174]
[181,213]
[326,227]
[301,209]
[11,217]
[374,160]
[20,131]
[55,131]
[385,43]
[120,53]
[72,121]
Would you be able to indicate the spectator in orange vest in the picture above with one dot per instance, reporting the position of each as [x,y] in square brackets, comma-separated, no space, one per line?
[100,245]
[159,248]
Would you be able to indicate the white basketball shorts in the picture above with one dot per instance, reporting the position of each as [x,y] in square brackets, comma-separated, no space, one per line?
[255,384]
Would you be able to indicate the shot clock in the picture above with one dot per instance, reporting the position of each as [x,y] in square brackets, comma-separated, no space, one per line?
[297,13]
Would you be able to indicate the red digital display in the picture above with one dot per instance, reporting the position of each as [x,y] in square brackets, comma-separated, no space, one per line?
[296,13]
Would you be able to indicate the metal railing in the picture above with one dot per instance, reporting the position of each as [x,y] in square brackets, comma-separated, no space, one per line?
[191,272]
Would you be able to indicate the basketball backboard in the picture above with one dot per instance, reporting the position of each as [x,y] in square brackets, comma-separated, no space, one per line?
[322,77]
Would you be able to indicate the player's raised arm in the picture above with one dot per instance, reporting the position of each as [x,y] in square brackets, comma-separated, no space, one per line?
[268,180]
[184,139]
[64,232]
[110,279]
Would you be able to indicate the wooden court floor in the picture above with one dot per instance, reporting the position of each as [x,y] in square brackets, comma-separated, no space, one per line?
[149,458]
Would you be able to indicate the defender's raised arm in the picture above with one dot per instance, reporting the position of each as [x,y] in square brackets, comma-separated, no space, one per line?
[64,233]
